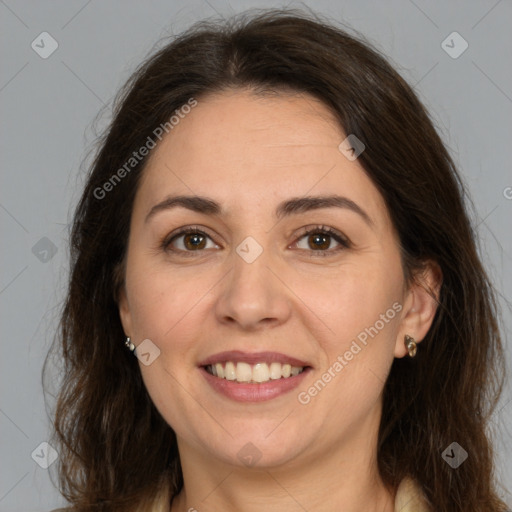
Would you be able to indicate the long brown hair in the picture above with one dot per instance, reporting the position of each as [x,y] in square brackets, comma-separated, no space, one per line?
[116,451]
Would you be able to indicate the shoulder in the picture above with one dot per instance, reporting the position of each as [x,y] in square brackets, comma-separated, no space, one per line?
[410,498]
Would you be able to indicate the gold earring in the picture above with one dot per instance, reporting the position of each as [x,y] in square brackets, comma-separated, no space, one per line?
[411,345]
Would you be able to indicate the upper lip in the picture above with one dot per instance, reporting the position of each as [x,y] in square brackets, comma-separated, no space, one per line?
[252,358]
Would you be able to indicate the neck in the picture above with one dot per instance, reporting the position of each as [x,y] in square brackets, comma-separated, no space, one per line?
[272,492]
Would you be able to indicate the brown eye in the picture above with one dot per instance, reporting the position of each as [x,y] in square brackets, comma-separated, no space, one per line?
[319,240]
[194,241]
[187,240]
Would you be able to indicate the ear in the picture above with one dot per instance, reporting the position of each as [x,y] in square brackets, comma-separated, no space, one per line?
[124,311]
[121,299]
[420,306]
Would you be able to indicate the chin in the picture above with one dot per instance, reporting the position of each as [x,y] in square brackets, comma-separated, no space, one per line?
[257,449]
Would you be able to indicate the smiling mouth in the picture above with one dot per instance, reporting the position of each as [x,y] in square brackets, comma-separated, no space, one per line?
[258,373]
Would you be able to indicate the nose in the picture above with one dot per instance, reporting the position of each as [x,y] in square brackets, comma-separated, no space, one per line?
[252,296]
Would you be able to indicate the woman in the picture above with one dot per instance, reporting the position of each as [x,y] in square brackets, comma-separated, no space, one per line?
[275,299]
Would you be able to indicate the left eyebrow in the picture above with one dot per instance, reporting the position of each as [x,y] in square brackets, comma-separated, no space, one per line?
[304,204]
[286,208]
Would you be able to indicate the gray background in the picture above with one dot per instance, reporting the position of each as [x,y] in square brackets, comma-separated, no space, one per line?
[47,111]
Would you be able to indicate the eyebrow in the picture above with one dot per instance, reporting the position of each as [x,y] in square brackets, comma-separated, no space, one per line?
[286,208]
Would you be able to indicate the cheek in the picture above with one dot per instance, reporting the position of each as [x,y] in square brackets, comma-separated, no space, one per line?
[364,315]
[365,318]
[161,299]
[356,299]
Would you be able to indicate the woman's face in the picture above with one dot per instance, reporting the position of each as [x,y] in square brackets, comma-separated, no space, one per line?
[246,285]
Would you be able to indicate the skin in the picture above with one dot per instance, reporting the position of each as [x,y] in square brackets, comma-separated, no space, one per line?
[249,153]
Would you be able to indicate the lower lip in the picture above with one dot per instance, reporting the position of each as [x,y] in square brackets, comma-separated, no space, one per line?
[244,392]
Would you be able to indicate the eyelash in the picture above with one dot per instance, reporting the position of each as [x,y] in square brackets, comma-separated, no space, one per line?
[324,230]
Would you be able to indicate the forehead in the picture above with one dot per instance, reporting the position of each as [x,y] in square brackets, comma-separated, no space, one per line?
[244,150]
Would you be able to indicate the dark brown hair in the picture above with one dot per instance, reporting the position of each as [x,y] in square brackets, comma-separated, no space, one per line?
[116,451]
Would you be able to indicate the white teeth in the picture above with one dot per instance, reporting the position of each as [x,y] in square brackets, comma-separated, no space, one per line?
[243,372]
[260,372]
[275,370]
[220,370]
[257,373]
[229,371]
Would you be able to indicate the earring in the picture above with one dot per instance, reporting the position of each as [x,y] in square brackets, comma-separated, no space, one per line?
[411,345]
[129,345]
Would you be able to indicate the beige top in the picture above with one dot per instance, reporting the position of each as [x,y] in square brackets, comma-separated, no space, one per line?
[410,498]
